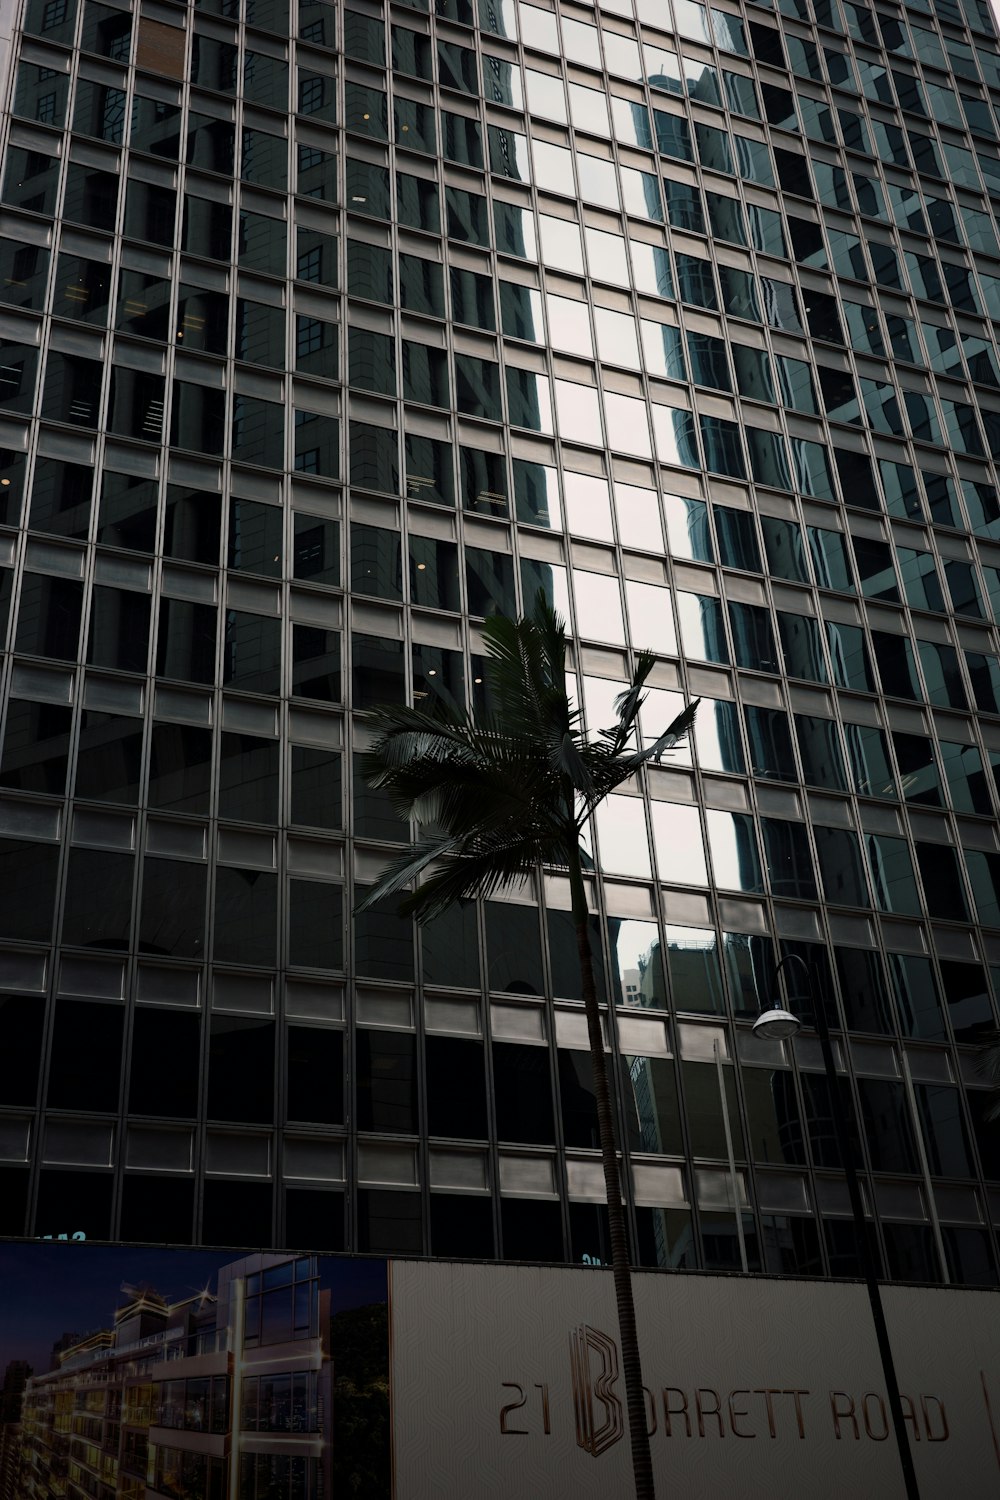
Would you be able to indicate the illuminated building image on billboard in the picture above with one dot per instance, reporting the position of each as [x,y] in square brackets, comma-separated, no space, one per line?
[193,1375]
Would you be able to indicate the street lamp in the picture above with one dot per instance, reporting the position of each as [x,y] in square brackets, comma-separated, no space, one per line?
[779,1023]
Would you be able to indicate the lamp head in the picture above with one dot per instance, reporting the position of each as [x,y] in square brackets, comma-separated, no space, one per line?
[776,1023]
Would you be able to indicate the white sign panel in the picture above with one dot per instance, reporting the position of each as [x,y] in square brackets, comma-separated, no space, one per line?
[506,1383]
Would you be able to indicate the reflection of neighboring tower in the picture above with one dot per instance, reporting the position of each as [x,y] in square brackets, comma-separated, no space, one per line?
[15,1378]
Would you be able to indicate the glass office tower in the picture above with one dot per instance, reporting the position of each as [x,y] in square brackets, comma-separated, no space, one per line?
[329,329]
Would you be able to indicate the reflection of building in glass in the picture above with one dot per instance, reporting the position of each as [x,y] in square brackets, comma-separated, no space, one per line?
[217,1395]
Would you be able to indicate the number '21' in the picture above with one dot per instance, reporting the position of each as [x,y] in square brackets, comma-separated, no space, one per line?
[512,1385]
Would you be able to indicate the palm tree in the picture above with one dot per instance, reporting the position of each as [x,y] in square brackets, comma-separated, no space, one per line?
[496,795]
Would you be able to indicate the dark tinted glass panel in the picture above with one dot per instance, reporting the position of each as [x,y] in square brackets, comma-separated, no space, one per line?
[119,629]
[523,1090]
[49,616]
[165,1063]
[74,1203]
[315,1061]
[316,792]
[192,525]
[449,947]
[315,663]
[109,759]
[456,1088]
[86,1059]
[315,925]
[22,1020]
[36,747]
[98,900]
[389,1222]
[29,875]
[179,767]
[383,941]
[240,1211]
[245,925]
[60,498]
[775,1126]
[156,1209]
[462,1226]
[514,962]
[314,1220]
[386,1081]
[241,1070]
[186,643]
[967,997]
[531,1230]
[172,917]
[251,654]
[378,671]
[863,990]
[248,778]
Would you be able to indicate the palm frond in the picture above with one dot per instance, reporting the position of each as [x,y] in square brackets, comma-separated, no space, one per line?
[628,704]
[677,731]
[481,875]
[404,870]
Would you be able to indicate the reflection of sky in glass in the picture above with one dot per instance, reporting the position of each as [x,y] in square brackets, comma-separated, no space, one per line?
[651,621]
[599,607]
[734,851]
[638,517]
[569,325]
[588,506]
[628,425]
[680,853]
[621,830]
[599,694]
[656,716]
[579,412]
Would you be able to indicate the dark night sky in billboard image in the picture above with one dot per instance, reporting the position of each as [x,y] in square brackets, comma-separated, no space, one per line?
[47,1290]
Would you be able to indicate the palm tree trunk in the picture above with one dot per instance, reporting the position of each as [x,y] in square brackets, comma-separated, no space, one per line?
[642,1465]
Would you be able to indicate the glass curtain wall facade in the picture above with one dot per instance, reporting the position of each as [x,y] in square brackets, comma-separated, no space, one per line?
[329,330]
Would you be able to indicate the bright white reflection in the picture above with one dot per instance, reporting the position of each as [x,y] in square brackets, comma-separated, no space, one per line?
[651,622]
[588,506]
[621,833]
[598,182]
[734,851]
[716,738]
[561,249]
[580,43]
[617,343]
[589,110]
[569,325]
[545,96]
[608,261]
[599,607]
[599,694]
[680,852]
[578,409]
[638,514]
[538,30]
[628,425]
[553,166]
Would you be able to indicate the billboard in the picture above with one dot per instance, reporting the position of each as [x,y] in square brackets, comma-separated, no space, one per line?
[157,1374]
[507,1383]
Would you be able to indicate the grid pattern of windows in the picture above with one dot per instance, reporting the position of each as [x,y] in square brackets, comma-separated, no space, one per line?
[327,333]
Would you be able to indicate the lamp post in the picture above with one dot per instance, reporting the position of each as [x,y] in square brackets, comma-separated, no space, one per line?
[779,1023]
